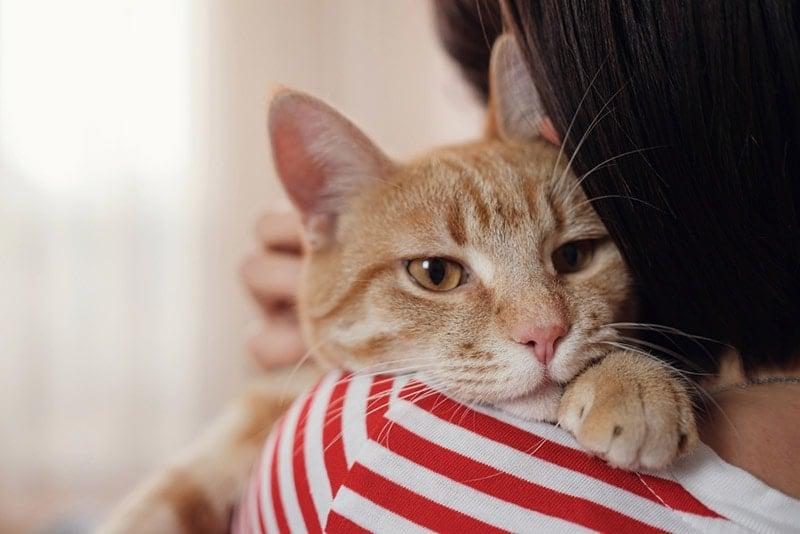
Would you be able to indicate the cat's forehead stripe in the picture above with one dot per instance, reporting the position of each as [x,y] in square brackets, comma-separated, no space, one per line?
[468,178]
[455,223]
[487,190]
[476,199]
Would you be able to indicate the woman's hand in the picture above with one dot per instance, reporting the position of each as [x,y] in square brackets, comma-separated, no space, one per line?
[271,275]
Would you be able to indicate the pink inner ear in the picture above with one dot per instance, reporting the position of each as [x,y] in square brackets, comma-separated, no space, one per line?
[548,132]
[320,156]
[302,177]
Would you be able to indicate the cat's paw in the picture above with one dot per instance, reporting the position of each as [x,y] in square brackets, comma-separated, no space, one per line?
[630,410]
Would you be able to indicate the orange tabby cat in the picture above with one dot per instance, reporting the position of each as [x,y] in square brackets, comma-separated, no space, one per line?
[481,267]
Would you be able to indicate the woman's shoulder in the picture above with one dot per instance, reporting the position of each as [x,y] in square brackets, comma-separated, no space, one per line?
[392,453]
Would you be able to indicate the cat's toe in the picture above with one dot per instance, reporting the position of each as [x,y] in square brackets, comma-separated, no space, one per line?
[576,403]
[672,432]
[613,431]
[658,454]
[604,425]
[624,446]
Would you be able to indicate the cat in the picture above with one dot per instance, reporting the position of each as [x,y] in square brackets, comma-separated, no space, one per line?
[480,267]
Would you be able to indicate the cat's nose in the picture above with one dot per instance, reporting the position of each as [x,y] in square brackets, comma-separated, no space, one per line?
[543,340]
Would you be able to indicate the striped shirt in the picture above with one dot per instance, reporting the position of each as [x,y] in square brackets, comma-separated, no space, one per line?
[390,454]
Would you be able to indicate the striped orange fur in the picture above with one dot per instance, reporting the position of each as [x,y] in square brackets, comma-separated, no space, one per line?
[361,310]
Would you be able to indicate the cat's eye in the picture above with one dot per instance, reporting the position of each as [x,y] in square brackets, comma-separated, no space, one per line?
[573,256]
[436,274]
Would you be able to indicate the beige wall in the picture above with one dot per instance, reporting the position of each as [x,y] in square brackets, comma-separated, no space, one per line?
[379,62]
[133,163]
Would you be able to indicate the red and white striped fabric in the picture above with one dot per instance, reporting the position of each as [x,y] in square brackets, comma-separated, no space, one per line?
[385,454]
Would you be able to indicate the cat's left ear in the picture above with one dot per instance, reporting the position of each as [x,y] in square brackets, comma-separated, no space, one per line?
[321,158]
[514,106]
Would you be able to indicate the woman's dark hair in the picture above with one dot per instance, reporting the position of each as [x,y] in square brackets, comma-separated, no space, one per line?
[467,29]
[683,119]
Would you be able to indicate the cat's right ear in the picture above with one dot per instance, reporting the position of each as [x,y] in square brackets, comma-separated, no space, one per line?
[321,158]
[515,111]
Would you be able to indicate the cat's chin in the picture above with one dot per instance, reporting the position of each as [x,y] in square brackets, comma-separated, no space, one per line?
[539,405]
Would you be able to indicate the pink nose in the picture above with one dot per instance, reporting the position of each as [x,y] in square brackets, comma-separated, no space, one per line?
[543,340]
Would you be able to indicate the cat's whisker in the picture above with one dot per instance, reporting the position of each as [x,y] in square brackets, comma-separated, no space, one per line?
[601,114]
[419,397]
[683,374]
[680,372]
[671,339]
[339,403]
[671,330]
[469,409]
[421,385]
[604,163]
[575,116]
[533,450]
[384,395]
[424,389]
[625,197]
[421,388]
[655,346]
[331,414]
[401,360]
[530,451]
[383,367]
[668,334]
[455,411]
[374,382]
[399,370]
[299,364]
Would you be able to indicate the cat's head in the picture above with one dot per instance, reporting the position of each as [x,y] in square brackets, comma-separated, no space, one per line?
[482,266]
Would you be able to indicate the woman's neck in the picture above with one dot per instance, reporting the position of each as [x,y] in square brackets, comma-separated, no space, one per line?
[756,428]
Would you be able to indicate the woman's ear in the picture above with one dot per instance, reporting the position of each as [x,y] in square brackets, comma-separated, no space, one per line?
[515,111]
[321,158]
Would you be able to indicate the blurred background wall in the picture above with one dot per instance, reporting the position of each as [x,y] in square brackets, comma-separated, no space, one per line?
[133,164]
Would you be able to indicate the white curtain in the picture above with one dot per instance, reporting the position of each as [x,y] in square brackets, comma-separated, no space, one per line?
[133,163]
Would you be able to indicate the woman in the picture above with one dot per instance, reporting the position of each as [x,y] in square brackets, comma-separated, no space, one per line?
[686,122]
